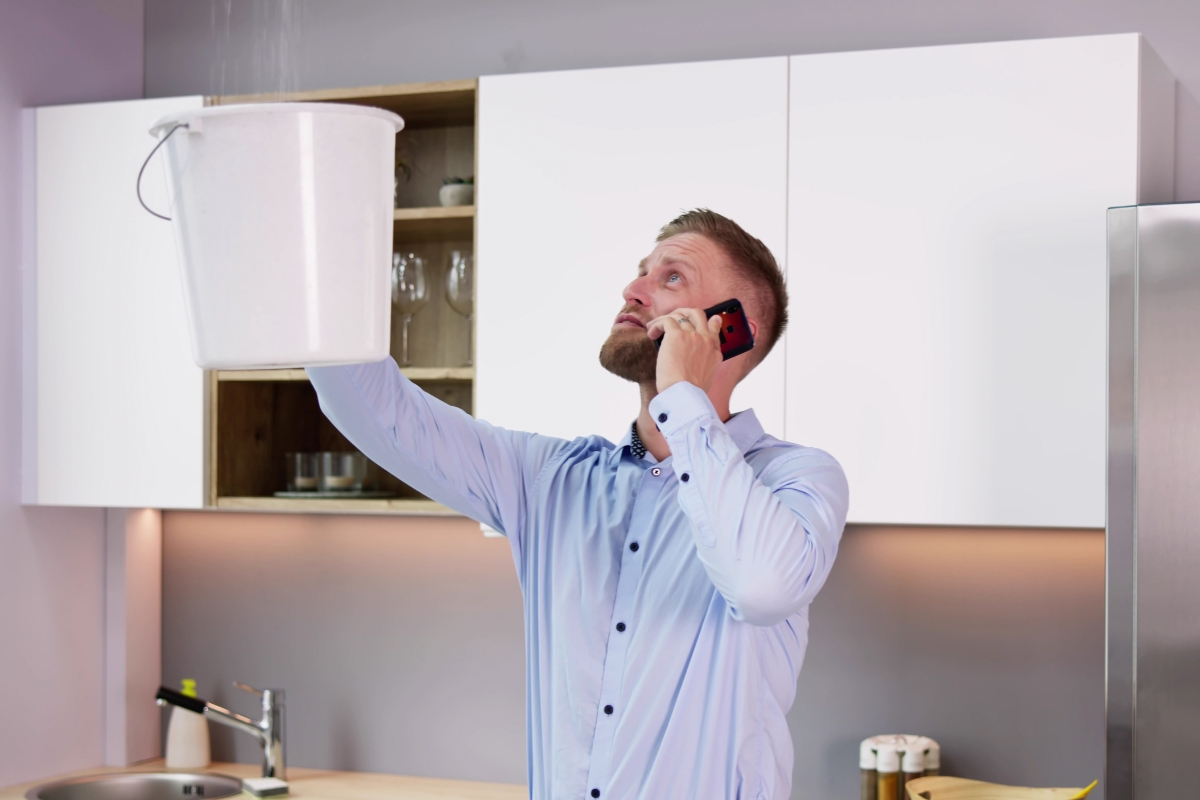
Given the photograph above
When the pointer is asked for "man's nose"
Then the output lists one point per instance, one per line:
(636, 293)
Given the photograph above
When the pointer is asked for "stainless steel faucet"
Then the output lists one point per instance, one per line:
(268, 730)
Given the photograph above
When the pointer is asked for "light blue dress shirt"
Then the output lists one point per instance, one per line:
(666, 603)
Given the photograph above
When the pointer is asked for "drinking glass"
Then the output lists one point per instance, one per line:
(460, 291)
(342, 472)
(303, 472)
(410, 291)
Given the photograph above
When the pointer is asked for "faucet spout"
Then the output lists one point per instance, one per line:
(226, 717)
(268, 731)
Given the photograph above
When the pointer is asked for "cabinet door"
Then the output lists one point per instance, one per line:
(947, 269)
(577, 172)
(118, 410)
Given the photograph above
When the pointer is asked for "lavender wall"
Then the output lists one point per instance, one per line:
(51, 560)
(218, 47)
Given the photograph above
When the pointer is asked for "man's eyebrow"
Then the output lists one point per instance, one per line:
(642, 267)
(683, 262)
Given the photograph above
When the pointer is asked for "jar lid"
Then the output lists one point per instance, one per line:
(933, 754)
(866, 754)
(887, 758)
(913, 759)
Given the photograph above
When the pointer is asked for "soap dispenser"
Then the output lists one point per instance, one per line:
(187, 735)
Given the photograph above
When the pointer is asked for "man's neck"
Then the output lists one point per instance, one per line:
(652, 438)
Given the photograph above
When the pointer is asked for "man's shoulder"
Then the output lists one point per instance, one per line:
(769, 451)
(580, 448)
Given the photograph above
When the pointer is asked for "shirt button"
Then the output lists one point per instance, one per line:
(595, 792)
(634, 547)
(662, 417)
(608, 709)
(684, 477)
(656, 472)
(620, 627)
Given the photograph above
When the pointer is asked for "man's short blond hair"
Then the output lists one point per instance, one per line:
(753, 264)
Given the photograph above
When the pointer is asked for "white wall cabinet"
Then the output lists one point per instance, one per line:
(114, 404)
(940, 213)
(947, 269)
(945, 248)
(577, 172)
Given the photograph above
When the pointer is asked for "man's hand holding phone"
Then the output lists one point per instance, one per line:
(690, 349)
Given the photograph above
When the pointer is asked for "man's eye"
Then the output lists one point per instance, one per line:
(674, 277)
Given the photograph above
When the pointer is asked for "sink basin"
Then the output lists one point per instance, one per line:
(139, 786)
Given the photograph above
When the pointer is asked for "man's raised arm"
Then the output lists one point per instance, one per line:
(767, 542)
(475, 468)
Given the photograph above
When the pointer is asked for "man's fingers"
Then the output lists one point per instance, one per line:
(658, 326)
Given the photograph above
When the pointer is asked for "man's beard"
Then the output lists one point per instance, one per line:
(630, 354)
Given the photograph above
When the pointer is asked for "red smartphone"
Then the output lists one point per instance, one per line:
(735, 329)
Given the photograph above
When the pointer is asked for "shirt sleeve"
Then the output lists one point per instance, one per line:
(475, 468)
(769, 541)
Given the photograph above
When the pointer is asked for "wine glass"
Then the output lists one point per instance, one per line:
(460, 291)
(410, 291)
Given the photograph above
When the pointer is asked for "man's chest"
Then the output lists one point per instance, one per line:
(603, 533)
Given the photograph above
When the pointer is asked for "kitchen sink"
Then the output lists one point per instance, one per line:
(139, 786)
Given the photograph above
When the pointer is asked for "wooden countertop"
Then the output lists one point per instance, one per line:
(319, 784)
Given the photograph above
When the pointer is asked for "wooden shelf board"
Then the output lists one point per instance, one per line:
(262, 375)
(438, 373)
(423, 105)
(434, 212)
(432, 224)
(397, 506)
(412, 373)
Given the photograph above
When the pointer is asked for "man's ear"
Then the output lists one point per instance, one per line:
(753, 328)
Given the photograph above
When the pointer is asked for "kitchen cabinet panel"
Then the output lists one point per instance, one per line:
(577, 172)
(117, 407)
(946, 260)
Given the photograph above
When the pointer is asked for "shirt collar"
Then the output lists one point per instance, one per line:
(635, 442)
(743, 427)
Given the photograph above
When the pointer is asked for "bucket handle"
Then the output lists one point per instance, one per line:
(146, 163)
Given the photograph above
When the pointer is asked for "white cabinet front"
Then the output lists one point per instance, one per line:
(947, 269)
(577, 172)
(116, 414)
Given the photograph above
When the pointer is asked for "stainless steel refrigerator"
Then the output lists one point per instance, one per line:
(1153, 527)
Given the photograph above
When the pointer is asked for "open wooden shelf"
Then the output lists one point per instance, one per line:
(422, 105)
(397, 506)
(256, 417)
(412, 373)
(436, 223)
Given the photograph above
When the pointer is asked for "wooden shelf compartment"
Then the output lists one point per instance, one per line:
(412, 373)
(422, 105)
(434, 223)
(258, 422)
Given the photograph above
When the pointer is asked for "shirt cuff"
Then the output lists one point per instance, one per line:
(679, 406)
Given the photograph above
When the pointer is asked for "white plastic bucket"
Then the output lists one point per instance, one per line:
(282, 215)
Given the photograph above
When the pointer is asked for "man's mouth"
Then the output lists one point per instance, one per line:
(628, 320)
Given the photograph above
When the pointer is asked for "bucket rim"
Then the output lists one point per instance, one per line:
(282, 107)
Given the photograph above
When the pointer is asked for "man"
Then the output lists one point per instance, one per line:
(666, 579)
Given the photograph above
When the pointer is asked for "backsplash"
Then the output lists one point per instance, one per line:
(399, 643)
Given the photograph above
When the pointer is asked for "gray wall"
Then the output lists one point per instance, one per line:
(399, 642)
(221, 47)
(51, 559)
